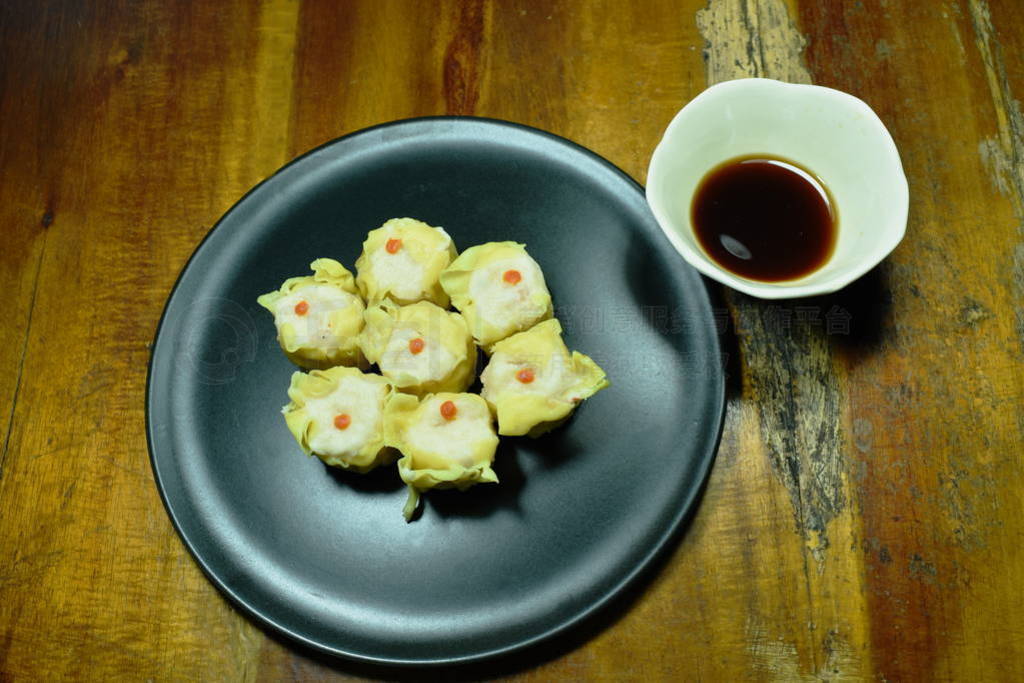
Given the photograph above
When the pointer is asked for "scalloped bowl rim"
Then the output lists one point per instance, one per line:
(675, 134)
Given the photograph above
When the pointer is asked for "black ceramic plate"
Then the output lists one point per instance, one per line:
(326, 557)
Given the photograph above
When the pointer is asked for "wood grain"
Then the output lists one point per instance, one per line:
(864, 516)
(948, 369)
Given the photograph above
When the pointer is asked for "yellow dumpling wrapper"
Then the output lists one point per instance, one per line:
(409, 269)
(442, 446)
(421, 348)
(338, 416)
(326, 333)
(533, 383)
(500, 290)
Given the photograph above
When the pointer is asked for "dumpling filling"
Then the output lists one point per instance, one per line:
(338, 415)
(310, 312)
(500, 290)
(399, 273)
(533, 383)
(402, 260)
(319, 317)
(446, 440)
(421, 348)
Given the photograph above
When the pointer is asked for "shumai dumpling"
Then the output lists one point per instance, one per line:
(500, 290)
(318, 317)
(402, 261)
(421, 348)
(338, 416)
(533, 383)
(447, 441)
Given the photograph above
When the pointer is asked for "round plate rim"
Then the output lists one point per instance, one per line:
(682, 511)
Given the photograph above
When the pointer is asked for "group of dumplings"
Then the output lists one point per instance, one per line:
(393, 314)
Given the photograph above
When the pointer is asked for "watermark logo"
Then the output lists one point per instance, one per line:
(218, 336)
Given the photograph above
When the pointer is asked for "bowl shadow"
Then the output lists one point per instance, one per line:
(852, 321)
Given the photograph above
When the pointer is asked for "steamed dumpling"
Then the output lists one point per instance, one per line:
(338, 415)
(447, 440)
(499, 289)
(402, 261)
(421, 348)
(318, 317)
(533, 383)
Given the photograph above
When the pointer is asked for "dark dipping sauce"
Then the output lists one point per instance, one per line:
(764, 218)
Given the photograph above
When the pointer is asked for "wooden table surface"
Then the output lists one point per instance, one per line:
(864, 517)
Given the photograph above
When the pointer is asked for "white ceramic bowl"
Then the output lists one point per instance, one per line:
(834, 135)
